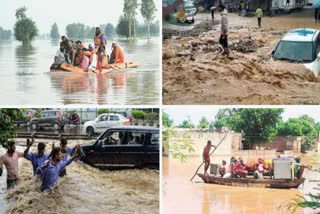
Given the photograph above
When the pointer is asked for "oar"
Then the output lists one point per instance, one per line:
(210, 155)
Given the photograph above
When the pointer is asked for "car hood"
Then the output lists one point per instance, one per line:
(89, 123)
(314, 66)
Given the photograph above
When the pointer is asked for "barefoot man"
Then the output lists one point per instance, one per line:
(206, 156)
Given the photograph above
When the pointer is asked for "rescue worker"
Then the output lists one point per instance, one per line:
(116, 55)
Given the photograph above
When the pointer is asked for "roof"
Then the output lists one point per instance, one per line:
(301, 35)
(151, 128)
(111, 114)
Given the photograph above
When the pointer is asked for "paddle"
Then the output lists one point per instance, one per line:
(210, 155)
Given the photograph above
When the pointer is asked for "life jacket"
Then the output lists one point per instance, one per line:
(120, 58)
(97, 40)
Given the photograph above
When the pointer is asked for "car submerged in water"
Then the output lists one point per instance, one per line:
(123, 147)
(302, 46)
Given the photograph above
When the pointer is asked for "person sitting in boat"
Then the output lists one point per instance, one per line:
(299, 168)
(100, 39)
(239, 169)
(222, 168)
(71, 49)
(258, 174)
(59, 57)
(229, 173)
(116, 55)
(206, 156)
(104, 58)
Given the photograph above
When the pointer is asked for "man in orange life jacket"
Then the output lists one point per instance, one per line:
(116, 55)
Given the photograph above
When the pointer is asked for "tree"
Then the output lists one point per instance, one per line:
(109, 31)
(103, 111)
(7, 127)
(204, 123)
(148, 9)
(166, 121)
(122, 27)
(5, 34)
(187, 124)
(129, 9)
(25, 29)
(54, 33)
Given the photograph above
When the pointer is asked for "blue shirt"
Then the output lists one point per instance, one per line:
(51, 174)
(65, 155)
(36, 160)
(101, 39)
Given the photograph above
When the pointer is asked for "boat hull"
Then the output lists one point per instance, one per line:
(112, 67)
(248, 182)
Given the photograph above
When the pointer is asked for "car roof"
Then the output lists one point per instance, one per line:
(49, 111)
(147, 128)
(301, 35)
(110, 114)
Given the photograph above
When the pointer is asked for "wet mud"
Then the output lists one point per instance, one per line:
(195, 71)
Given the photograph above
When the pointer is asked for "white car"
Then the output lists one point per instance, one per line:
(103, 122)
(300, 45)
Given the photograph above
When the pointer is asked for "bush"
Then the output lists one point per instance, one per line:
(152, 116)
(103, 111)
(137, 114)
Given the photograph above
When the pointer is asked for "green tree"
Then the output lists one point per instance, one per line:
(122, 27)
(138, 114)
(204, 123)
(148, 10)
(77, 31)
(129, 9)
(54, 33)
(7, 127)
(109, 31)
(25, 29)
(103, 111)
(187, 124)
(166, 121)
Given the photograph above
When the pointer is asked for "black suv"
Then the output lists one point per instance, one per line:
(51, 118)
(118, 147)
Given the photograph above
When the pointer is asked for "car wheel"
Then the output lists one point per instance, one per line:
(56, 126)
(34, 126)
(90, 131)
(62, 127)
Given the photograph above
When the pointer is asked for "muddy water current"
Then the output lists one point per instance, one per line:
(84, 190)
(25, 76)
(182, 196)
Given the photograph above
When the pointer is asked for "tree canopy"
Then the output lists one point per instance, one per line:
(187, 124)
(148, 10)
(25, 29)
(7, 127)
(54, 33)
(166, 121)
(203, 123)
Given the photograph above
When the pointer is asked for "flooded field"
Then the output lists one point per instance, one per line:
(84, 190)
(194, 67)
(26, 79)
(181, 195)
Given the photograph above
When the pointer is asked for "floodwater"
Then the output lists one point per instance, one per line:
(84, 190)
(182, 196)
(192, 63)
(25, 76)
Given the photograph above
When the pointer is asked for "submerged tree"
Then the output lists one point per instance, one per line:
(7, 127)
(54, 33)
(148, 10)
(129, 9)
(25, 29)
(122, 27)
(109, 31)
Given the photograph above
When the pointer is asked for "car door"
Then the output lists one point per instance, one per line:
(114, 121)
(102, 123)
(152, 148)
(43, 120)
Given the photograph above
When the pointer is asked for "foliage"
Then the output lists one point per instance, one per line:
(178, 146)
(54, 33)
(37, 113)
(148, 10)
(103, 111)
(5, 34)
(211, 125)
(259, 125)
(166, 121)
(109, 31)
(187, 124)
(142, 29)
(204, 123)
(7, 127)
(152, 116)
(138, 114)
(129, 9)
(25, 29)
(122, 27)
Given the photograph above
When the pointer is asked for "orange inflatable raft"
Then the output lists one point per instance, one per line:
(112, 67)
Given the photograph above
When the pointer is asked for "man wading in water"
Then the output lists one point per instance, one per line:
(206, 156)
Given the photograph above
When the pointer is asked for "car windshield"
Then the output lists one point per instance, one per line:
(297, 51)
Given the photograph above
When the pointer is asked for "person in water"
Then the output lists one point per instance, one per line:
(10, 160)
(51, 169)
(206, 156)
(116, 55)
(66, 151)
(37, 158)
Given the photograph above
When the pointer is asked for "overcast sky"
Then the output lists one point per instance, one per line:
(180, 113)
(63, 12)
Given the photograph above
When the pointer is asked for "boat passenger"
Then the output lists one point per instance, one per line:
(258, 173)
(239, 169)
(299, 168)
(100, 38)
(60, 56)
(206, 156)
(71, 48)
(116, 55)
(222, 169)
(104, 57)
(37, 158)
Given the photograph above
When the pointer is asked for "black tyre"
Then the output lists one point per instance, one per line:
(34, 126)
(56, 126)
(90, 131)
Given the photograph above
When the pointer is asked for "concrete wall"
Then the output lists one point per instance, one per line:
(289, 143)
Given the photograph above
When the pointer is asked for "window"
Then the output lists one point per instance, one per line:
(136, 138)
(114, 138)
(103, 118)
(114, 118)
(297, 51)
(44, 114)
(52, 114)
(155, 139)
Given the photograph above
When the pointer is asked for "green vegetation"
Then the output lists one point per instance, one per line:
(54, 33)
(129, 10)
(152, 116)
(80, 31)
(25, 29)
(108, 30)
(138, 115)
(187, 124)
(103, 111)
(5, 34)
(166, 121)
(7, 127)
(148, 10)
(204, 123)
(122, 27)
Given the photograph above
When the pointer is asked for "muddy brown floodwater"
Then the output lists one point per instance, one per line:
(84, 190)
(194, 71)
(182, 196)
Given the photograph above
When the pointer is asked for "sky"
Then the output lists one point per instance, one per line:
(180, 113)
(64, 12)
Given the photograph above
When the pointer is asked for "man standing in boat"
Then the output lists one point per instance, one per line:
(206, 156)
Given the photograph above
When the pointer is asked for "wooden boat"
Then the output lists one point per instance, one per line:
(112, 67)
(251, 182)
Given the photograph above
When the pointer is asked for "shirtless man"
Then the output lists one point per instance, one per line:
(206, 156)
